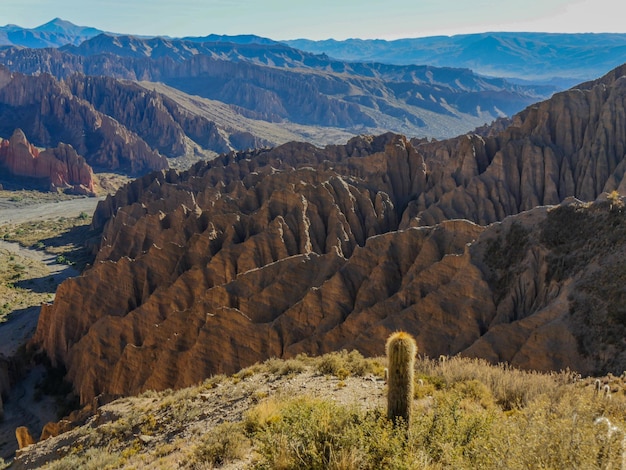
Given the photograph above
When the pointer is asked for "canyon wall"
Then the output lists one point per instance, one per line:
(47, 111)
(275, 83)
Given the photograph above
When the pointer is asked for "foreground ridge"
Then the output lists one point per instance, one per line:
(317, 412)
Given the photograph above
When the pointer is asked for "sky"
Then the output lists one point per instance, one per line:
(321, 19)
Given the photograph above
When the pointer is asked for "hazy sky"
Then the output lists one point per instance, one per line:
(321, 19)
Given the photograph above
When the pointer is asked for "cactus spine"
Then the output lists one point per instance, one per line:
(401, 350)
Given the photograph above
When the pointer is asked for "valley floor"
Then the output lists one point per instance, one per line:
(16, 209)
(28, 277)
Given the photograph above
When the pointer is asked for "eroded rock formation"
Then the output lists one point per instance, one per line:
(300, 249)
(47, 111)
(59, 167)
(24, 437)
(273, 82)
(571, 145)
(158, 120)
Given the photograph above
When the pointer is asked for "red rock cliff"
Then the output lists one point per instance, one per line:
(59, 167)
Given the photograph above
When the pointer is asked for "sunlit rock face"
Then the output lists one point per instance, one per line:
(60, 167)
(300, 249)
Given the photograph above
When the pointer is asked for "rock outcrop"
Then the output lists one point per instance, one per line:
(24, 437)
(300, 249)
(53, 429)
(59, 167)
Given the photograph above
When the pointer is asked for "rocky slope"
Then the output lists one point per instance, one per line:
(47, 111)
(275, 83)
(59, 167)
(143, 122)
(329, 412)
(300, 249)
(160, 122)
(570, 145)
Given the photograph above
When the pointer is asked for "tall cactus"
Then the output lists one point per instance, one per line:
(401, 350)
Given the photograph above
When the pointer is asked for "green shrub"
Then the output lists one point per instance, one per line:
(285, 366)
(343, 364)
(481, 416)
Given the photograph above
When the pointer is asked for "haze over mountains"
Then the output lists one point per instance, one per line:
(560, 59)
(557, 58)
(214, 94)
(275, 83)
(220, 93)
(55, 33)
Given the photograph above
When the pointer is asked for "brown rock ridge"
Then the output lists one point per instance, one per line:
(60, 167)
(275, 83)
(300, 249)
(572, 145)
(157, 119)
(47, 111)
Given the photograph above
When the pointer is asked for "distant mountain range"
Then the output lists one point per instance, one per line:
(311, 97)
(55, 33)
(561, 60)
(199, 96)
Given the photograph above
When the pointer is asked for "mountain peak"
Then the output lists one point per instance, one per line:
(57, 25)
(61, 26)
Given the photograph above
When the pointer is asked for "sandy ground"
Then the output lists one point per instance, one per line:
(21, 408)
(19, 212)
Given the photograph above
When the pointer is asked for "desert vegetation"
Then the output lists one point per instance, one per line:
(64, 237)
(17, 279)
(26, 281)
(329, 413)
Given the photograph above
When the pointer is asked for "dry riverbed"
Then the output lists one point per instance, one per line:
(40, 237)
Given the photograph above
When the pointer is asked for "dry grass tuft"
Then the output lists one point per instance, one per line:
(467, 414)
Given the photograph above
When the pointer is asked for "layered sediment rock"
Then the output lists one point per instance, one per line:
(300, 249)
(158, 120)
(572, 145)
(59, 167)
(47, 111)
(272, 82)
